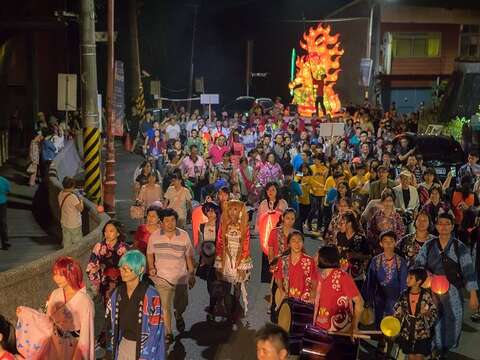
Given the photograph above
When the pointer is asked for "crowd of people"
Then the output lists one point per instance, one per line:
(385, 224)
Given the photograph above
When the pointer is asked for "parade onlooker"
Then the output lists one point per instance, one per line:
(171, 268)
(71, 207)
(150, 193)
(4, 190)
(34, 157)
(385, 218)
(179, 198)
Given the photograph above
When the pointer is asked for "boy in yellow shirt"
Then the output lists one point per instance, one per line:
(319, 176)
(358, 181)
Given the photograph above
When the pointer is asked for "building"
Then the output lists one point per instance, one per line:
(413, 48)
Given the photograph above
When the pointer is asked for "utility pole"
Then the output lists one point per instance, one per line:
(190, 85)
(134, 82)
(90, 120)
(110, 183)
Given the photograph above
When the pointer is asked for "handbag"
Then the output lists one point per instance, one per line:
(137, 211)
(31, 168)
(368, 316)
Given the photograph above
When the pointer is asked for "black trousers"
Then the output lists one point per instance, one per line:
(3, 224)
(319, 101)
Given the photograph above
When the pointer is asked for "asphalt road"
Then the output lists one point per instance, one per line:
(219, 340)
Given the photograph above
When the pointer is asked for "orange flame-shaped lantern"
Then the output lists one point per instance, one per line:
(266, 223)
(323, 57)
(439, 284)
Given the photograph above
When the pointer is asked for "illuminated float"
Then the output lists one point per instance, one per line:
(323, 57)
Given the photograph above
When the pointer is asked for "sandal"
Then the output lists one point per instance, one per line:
(169, 339)
(180, 324)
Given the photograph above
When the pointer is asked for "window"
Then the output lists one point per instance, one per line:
(416, 45)
(470, 41)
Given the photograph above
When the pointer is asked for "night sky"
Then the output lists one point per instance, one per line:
(223, 28)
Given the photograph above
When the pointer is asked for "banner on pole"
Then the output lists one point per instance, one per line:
(118, 99)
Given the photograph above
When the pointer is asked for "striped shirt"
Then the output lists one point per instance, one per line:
(170, 255)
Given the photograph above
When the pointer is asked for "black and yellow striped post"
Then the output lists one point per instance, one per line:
(93, 177)
(140, 104)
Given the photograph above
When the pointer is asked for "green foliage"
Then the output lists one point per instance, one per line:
(455, 127)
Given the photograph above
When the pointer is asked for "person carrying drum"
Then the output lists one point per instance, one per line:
(296, 272)
(338, 303)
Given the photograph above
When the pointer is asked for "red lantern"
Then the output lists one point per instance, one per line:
(198, 217)
(266, 223)
(439, 284)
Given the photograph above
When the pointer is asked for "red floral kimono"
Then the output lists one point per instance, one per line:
(333, 303)
(297, 278)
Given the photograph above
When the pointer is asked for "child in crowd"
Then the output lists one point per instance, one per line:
(417, 313)
(6, 334)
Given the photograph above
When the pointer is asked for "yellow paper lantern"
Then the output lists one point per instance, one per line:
(390, 326)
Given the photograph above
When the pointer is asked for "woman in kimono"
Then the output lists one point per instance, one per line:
(386, 278)
(409, 246)
(352, 246)
(70, 313)
(386, 218)
(233, 261)
(277, 246)
(270, 204)
(134, 314)
(338, 303)
(102, 268)
(417, 312)
(447, 256)
(296, 272)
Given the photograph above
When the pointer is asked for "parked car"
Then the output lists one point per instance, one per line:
(443, 153)
(243, 104)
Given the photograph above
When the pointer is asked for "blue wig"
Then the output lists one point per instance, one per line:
(135, 260)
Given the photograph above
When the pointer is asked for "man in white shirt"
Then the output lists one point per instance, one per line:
(71, 207)
(171, 267)
(173, 129)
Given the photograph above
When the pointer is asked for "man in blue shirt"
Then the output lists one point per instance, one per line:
(4, 190)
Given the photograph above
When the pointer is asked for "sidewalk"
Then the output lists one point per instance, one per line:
(29, 241)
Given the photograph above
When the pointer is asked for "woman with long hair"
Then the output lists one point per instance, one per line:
(272, 203)
(343, 205)
(68, 321)
(296, 272)
(102, 267)
(233, 261)
(352, 246)
(277, 247)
